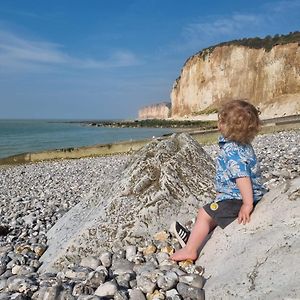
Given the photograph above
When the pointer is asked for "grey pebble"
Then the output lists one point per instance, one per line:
(173, 295)
(145, 284)
(79, 273)
(107, 289)
(20, 284)
(3, 284)
(91, 262)
(193, 280)
(5, 296)
(82, 289)
(96, 278)
(136, 294)
(167, 281)
(106, 259)
(88, 297)
(121, 295)
(131, 252)
(162, 257)
(124, 280)
(122, 266)
(189, 292)
(22, 270)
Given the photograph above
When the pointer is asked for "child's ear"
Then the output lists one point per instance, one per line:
(220, 126)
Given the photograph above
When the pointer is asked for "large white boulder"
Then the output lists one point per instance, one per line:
(260, 260)
(166, 180)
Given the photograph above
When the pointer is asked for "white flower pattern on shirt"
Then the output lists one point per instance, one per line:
(235, 161)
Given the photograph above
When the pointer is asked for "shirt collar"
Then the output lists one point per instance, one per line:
(222, 140)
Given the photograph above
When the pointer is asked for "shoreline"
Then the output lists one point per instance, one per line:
(205, 137)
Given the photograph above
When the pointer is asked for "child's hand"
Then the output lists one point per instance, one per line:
(244, 214)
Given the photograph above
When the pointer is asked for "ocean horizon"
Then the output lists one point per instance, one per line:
(19, 136)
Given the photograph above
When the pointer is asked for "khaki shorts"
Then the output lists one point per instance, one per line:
(224, 212)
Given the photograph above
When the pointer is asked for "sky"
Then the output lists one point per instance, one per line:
(105, 59)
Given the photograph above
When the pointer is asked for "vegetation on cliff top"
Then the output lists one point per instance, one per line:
(267, 42)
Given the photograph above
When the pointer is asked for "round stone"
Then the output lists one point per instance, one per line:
(131, 252)
(106, 259)
(193, 280)
(149, 250)
(167, 281)
(91, 262)
(107, 289)
(188, 292)
(145, 284)
(136, 294)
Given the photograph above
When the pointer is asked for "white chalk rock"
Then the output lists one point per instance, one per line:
(259, 260)
(165, 180)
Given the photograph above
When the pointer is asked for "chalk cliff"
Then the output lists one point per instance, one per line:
(155, 111)
(269, 79)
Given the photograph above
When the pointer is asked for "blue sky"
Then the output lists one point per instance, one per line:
(101, 59)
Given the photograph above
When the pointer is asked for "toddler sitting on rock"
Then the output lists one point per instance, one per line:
(238, 179)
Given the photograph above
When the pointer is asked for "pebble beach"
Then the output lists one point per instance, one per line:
(34, 196)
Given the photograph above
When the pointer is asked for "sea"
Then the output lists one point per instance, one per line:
(22, 136)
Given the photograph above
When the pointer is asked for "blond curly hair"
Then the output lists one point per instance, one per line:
(239, 121)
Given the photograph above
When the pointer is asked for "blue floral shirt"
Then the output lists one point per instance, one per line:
(234, 161)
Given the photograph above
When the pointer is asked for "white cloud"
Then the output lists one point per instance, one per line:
(19, 49)
(269, 19)
(116, 59)
(283, 6)
(216, 29)
(17, 53)
(222, 26)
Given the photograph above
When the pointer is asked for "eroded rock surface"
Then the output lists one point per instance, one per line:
(164, 181)
(259, 260)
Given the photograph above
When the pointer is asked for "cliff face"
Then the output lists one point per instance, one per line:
(270, 80)
(155, 111)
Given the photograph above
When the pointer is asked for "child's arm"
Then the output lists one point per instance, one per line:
(245, 186)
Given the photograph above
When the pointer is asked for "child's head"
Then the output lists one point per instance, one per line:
(239, 121)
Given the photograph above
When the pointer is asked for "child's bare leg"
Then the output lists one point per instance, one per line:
(204, 224)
